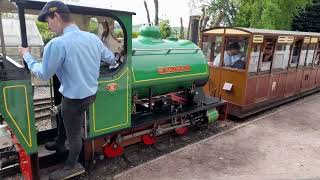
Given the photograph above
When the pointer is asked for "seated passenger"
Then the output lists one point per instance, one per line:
(232, 57)
(268, 53)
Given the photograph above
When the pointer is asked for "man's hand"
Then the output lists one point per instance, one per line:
(23, 50)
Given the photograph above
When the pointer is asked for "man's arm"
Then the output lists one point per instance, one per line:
(53, 58)
(107, 55)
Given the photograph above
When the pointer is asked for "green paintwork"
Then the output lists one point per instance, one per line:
(146, 63)
(212, 115)
(17, 109)
(112, 109)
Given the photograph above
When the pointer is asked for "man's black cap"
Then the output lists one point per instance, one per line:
(52, 7)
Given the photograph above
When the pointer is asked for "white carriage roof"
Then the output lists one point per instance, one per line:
(246, 31)
(269, 31)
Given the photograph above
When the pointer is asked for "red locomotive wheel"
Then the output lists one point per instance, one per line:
(181, 130)
(148, 139)
(113, 150)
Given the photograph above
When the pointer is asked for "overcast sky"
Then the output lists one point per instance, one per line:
(168, 9)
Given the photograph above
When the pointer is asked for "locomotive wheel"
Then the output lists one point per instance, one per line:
(182, 130)
(148, 139)
(113, 150)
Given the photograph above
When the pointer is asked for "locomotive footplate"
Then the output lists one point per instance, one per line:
(149, 118)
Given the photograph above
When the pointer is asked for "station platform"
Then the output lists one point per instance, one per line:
(284, 144)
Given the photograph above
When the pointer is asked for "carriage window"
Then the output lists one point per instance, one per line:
(267, 54)
(311, 53)
(255, 54)
(207, 46)
(303, 55)
(281, 56)
(235, 52)
(296, 53)
(317, 56)
(212, 47)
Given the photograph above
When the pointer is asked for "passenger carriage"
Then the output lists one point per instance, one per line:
(291, 71)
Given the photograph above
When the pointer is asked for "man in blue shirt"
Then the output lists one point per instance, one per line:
(75, 58)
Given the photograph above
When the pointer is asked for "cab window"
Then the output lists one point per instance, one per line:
(112, 35)
(235, 53)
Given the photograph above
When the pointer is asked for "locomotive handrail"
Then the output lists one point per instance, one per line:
(23, 29)
(166, 49)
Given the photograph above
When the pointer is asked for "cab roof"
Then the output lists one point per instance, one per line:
(77, 7)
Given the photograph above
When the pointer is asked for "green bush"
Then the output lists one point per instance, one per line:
(135, 34)
(44, 31)
(165, 29)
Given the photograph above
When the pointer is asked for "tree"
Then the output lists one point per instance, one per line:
(165, 29)
(181, 29)
(215, 12)
(44, 31)
(156, 16)
(269, 14)
(148, 15)
(308, 20)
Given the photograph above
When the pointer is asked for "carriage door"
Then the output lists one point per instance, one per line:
(112, 109)
(16, 97)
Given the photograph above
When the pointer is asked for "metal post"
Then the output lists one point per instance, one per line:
(23, 31)
(150, 99)
(3, 47)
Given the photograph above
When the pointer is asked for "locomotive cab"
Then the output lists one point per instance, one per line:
(16, 94)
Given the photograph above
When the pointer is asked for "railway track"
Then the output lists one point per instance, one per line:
(42, 108)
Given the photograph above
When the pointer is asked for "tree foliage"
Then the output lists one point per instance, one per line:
(165, 29)
(44, 31)
(308, 20)
(269, 14)
(216, 12)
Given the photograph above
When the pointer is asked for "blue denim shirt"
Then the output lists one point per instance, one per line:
(75, 58)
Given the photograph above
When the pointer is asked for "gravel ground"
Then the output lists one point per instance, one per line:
(41, 92)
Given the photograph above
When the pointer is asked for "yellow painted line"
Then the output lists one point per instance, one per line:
(186, 75)
(29, 143)
(115, 78)
(127, 97)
